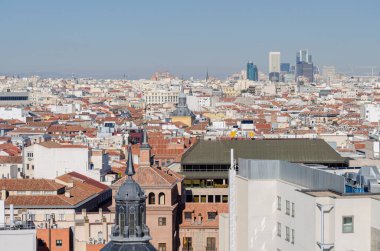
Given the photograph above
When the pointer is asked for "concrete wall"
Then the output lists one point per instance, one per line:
(16, 240)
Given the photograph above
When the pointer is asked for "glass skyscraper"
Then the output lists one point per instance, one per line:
(304, 66)
(252, 72)
(285, 67)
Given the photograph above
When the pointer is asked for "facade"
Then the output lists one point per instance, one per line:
(370, 112)
(252, 72)
(199, 229)
(13, 113)
(14, 98)
(161, 97)
(49, 159)
(54, 239)
(284, 206)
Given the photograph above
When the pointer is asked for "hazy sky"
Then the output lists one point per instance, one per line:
(110, 38)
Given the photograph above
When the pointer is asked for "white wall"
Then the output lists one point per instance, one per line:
(52, 162)
(16, 240)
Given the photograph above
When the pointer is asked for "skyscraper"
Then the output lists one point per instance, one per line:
(252, 72)
(304, 66)
(274, 65)
(285, 67)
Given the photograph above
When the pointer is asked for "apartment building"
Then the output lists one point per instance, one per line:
(285, 206)
(154, 97)
(52, 203)
(49, 159)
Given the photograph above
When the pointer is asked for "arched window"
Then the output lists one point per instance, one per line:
(161, 199)
(121, 220)
(152, 199)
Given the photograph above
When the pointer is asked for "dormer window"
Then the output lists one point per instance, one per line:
(211, 215)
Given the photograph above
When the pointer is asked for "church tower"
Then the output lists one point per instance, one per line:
(145, 151)
(130, 231)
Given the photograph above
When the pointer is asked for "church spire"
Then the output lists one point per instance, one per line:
(130, 171)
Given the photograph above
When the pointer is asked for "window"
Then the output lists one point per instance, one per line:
(187, 215)
(293, 209)
(217, 198)
(203, 198)
(161, 199)
(225, 198)
(27, 166)
(152, 199)
(278, 229)
(32, 167)
(287, 237)
(279, 203)
(287, 207)
(61, 217)
(293, 235)
(211, 244)
(122, 221)
(211, 215)
(162, 221)
(32, 217)
(348, 224)
(211, 198)
(58, 243)
(30, 155)
(187, 244)
(161, 246)
(131, 224)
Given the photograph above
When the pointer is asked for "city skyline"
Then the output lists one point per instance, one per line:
(103, 40)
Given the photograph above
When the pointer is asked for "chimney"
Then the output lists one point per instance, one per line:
(2, 213)
(3, 194)
(70, 184)
(67, 194)
(12, 214)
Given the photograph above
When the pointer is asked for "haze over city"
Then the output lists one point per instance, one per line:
(102, 39)
(189, 125)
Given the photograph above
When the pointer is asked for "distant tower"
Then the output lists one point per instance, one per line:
(252, 72)
(304, 66)
(207, 77)
(130, 231)
(274, 66)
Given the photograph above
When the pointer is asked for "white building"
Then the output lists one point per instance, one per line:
(274, 61)
(284, 206)
(161, 97)
(370, 112)
(197, 103)
(49, 159)
(15, 238)
(13, 113)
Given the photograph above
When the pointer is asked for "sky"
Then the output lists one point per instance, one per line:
(137, 38)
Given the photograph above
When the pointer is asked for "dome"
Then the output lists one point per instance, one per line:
(115, 246)
(130, 190)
